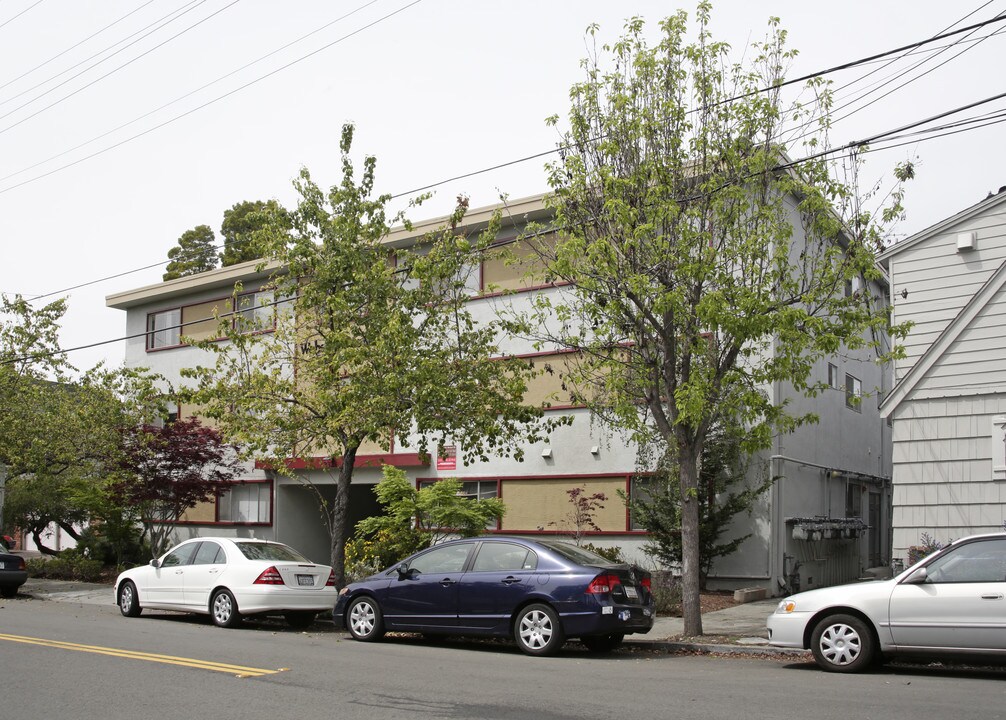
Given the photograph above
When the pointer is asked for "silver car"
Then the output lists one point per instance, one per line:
(950, 603)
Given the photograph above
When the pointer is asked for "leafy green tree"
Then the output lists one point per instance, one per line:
(241, 223)
(59, 430)
(702, 269)
(194, 253)
(369, 341)
(727, 487)
(414, 519)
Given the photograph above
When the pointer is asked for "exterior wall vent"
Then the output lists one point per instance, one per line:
(967, 241)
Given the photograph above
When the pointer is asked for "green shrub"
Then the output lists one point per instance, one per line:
(925, 548)
(68, 565)
(666, 589)
(611, 554)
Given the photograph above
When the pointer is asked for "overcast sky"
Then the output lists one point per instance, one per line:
(438, 89)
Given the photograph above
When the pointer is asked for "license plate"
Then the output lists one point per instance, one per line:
(630, 592)
(305, 580)
(2, 566)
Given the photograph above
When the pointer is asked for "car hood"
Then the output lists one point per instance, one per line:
(853, 594)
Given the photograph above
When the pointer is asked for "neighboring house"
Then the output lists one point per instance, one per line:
(824, 521)
(948, 404)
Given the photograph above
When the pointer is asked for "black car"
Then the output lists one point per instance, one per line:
(540, 592)
(13, 572)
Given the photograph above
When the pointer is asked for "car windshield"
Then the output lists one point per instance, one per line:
(269, 551)
(575, 554)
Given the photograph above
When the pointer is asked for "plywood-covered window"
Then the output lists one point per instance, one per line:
(551, 387)
(517, 266)
(544, 504)
(200, 321)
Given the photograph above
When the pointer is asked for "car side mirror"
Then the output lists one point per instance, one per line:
(918, 577)
(155, 563)
(403, 572)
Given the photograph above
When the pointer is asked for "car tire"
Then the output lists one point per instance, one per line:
(602, 643)
(537, 630)
(299, 619)
(843, 643)
(129, 600)
(8, 591)
(364, 619)
(224, 609)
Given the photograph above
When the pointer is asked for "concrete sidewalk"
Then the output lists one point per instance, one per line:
(739, 629)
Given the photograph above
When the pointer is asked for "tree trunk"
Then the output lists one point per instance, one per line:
(691, 609)
(36, 535)
(340, 514)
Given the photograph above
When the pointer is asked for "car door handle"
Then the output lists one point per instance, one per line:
(992, 596)
(179, 572)
(510, 580)
(447, 582)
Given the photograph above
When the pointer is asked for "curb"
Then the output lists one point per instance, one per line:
(671, 646)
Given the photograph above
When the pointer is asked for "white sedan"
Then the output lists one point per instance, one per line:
(229, 579)
(952, 603)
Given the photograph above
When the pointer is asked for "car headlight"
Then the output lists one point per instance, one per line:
(786, 606)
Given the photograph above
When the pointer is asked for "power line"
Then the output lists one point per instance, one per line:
(73, 47)
(851, 146)
(186, 95)
(498, 166)
(10, 20)
(209, 102)
(110, 72)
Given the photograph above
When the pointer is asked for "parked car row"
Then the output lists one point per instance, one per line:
(13, 570)
(539, 592)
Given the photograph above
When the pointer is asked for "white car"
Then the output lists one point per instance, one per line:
(229, 579)
(952, 603)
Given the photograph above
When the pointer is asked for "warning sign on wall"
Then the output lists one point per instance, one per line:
(448, 458)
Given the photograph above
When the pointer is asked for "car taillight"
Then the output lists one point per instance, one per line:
(269, 576)
(645, 582)
(331, 579)
(603, 583)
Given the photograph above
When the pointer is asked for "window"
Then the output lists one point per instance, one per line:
(503, 557)
(446, 559)
(256, 311)
(269, 551)
(475, 490)
(854, 500)
(853, 392)
(182, 555)
(209, 553)
(163, 329)
(833, 375)
(248, 502)
(983, 561)
(641, 488)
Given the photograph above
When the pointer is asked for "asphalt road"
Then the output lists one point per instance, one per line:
(68, 660)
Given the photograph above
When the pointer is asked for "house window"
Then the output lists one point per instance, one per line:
(474, 490)
(246, 502)
(641, 488)
(833, 376)
(163, 329)
(853, 392)
(256, 311)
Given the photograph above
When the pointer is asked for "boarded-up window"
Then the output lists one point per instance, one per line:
(552, 387)
(544, 504)
(202, 513)
(200, 322)
(517, 266)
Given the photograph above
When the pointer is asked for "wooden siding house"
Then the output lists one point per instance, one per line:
(948, 403)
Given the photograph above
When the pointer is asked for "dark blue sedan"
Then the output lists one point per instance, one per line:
(540, 592)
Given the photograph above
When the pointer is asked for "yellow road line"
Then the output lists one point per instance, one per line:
(238, 670)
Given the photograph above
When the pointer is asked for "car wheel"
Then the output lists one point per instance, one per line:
(129, 601)
(8, 591)
(299, 619)
(537, 630)
(842, 643)
(224, 609)
(602, 643)
(364, 620)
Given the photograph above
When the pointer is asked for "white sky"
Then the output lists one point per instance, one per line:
(442, 88)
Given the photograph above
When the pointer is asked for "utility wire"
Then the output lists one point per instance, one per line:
(527, 158)
(186, 95)
(110, 72)
(9, 21)
(210, 102)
